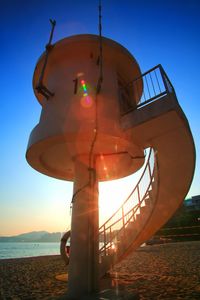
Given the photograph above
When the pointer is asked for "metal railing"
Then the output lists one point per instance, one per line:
(150, 86)
(116, 225)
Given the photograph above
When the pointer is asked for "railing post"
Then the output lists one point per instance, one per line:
(163, 78)
(152, 84)
(145, 77)
(104, 239)
(123, 221)
(133, 215)
(158, 84)
(149, 169)
(138, 191)
(167, 79)
(110, 233)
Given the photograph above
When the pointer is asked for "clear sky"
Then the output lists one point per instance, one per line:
(156, 31)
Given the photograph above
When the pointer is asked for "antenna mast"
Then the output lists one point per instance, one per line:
(100, 60)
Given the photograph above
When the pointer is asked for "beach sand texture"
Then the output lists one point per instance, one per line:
(168, 271)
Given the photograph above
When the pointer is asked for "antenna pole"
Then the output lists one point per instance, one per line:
(100, 51)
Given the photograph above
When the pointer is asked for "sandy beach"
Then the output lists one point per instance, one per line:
(167, 271)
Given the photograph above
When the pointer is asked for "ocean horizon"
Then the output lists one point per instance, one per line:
(27, 249)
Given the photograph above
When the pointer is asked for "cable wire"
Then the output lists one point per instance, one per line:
(91, 161)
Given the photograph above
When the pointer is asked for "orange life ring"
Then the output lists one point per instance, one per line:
(64, 255)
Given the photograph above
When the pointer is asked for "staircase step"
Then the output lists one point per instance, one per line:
(144, 210)
(130, 225)
(148, 203)
(152, 194)
(140, 218)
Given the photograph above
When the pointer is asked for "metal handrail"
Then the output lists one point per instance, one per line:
(155, 85)
(130, 193)
(131, 213)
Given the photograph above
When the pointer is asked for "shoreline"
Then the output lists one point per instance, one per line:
(165, 271)
(58, 255)
(28, 257)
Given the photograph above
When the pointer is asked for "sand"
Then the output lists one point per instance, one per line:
(168, 271)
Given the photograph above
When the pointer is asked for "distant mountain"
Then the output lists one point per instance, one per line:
(50, 237)
(33, 237)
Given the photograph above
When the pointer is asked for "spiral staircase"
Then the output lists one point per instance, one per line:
(120, 233)
(160, 124)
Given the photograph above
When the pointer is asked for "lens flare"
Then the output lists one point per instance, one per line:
(86, 100)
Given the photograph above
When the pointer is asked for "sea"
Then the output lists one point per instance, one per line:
(18, 250)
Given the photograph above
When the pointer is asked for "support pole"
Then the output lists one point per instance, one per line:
(84, 250)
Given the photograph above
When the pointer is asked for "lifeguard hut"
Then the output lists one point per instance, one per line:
(99, 114)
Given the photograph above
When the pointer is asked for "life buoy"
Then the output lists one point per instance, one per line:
(65, 254)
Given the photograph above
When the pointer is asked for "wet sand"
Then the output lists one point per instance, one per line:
(168, 271)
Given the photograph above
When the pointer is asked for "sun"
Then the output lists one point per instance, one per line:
(112, 194)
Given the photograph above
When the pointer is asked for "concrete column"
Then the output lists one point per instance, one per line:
(84, 258)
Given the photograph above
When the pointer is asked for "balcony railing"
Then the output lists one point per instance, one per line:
(150, 86)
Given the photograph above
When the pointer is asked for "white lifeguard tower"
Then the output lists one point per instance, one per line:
(99, 114)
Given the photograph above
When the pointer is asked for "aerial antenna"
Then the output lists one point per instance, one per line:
(100, 58)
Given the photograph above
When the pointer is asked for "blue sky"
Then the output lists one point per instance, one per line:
(165, 32)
